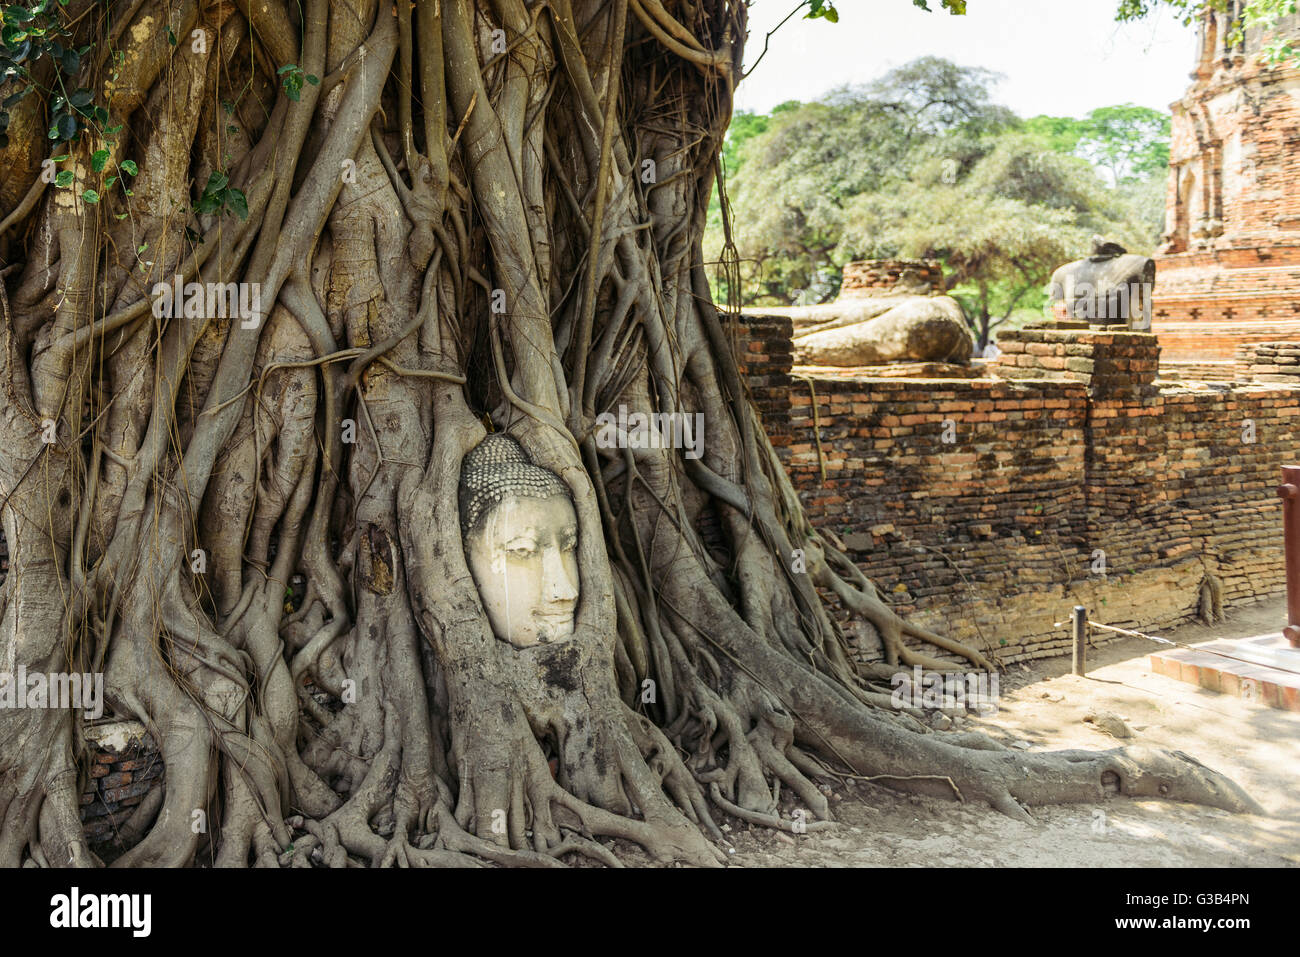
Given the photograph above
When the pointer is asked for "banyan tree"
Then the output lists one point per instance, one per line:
(270, 274)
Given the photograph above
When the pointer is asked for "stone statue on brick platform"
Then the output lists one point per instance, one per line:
(887, 312)
(913, 329)
(1112, 287)
(521, 538)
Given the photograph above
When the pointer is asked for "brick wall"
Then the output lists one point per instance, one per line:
(764, 355)
(986, 508)
(1111, 363)
(874, 277)
(1205, 370)
(125, 766)
(1269, 362)
(1228, 271)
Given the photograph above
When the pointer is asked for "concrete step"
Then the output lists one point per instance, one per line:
(1264, 668)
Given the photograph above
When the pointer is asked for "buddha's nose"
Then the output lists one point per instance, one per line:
(559, 587)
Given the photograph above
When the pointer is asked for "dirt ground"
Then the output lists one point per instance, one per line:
(1043, 705)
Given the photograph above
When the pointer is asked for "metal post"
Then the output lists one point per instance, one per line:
(1080, 619)
(1289, 492)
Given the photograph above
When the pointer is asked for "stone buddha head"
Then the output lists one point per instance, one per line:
(521, 542)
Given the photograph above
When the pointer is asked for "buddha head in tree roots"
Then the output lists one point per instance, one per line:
(521, 542)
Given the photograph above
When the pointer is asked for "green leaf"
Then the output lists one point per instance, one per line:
(313, 80)
(64, 178)
(128, 166)
(64, 128)
(285, 69)
(16, 38)
(111, 181)
(171, 37)
(90, 196)
(98, 159)
(81, 98)
(238, 203)
(142, 247)
(824, 10)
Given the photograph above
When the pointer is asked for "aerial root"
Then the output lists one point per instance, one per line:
(768, 820)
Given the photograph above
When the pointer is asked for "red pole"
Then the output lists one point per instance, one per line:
(1289, 491)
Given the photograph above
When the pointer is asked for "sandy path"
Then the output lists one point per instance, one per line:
(1044, 705)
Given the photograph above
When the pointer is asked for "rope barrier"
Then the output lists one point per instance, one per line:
(1179, 644)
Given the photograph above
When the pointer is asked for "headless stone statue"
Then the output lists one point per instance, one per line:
(894, 329)
(1112, 287)
(521, 538)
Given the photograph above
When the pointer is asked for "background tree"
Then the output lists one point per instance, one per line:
(1000, 230)
(455, 217)
(1129, 142)
(792, 181)
(886, 170)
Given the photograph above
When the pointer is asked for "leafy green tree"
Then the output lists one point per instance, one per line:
(792, 181)
(1130, 142)
(1000, 231)
(798, 179)
(1060, 133)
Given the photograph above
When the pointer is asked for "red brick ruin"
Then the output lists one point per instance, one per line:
(1133, 473)
(1228, 270)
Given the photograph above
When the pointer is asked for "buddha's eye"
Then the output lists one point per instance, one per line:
(569, 541)
(521, 549)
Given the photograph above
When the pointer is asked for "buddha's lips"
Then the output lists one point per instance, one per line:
(558, 621)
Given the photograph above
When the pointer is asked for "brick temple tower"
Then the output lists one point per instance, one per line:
(1228, 271)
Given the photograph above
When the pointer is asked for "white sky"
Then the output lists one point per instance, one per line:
(1062, 57)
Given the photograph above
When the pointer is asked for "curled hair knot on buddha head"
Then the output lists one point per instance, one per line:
(496, 469)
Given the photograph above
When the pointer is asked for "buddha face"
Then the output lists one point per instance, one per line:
(524, 559)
